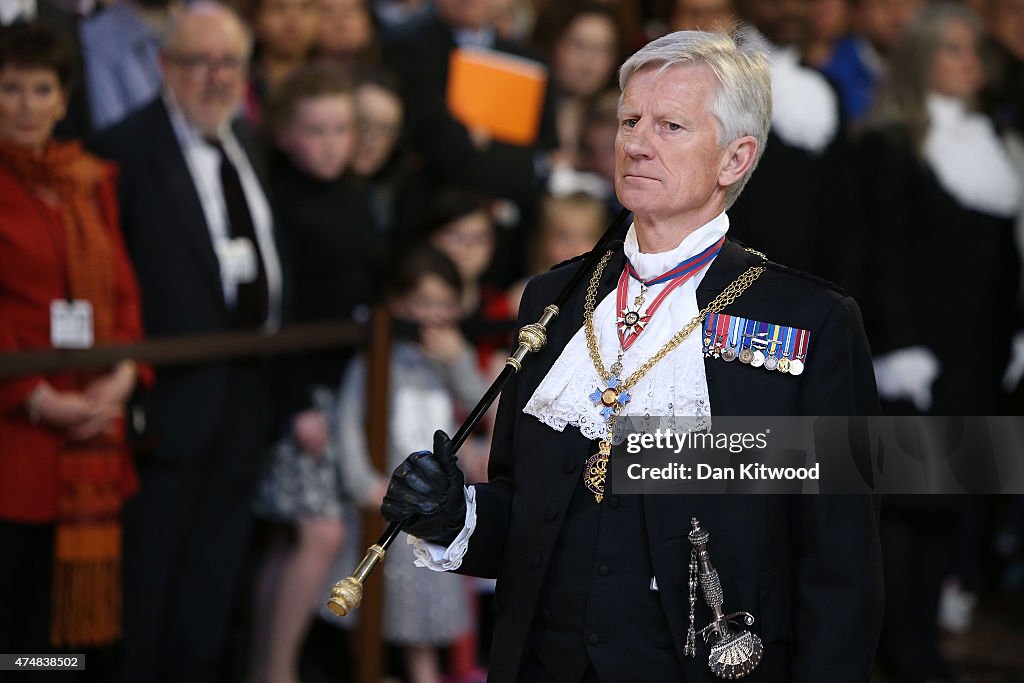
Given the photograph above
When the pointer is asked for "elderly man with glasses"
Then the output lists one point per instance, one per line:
(199, 230)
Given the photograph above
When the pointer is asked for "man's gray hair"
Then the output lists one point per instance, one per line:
(171, 33)
(742, 103)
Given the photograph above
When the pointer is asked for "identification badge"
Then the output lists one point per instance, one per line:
(238, 260)
(71, 324)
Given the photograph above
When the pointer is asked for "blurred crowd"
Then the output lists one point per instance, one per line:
(172, 168)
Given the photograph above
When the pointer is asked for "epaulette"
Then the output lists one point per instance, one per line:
(756, 257)
(569, 262)
(807, 276)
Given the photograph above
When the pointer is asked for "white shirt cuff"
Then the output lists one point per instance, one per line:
(441, 559)
(907, 373)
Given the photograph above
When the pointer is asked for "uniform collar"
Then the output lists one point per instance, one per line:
(731, 261)
(651, 265)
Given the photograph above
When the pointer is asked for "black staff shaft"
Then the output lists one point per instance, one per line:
(341, 604)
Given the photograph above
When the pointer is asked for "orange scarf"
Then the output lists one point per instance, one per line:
(91, 476)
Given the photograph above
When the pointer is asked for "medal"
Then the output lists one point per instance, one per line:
(595, 471)
(796, 366)
(758, 358)
(784, 362)
(630, 321)
(611, 399)
(729, 352)
(709, 333)
(613, 395)
(771, 362)
(776, 348)
(746, 355)
(721, 332)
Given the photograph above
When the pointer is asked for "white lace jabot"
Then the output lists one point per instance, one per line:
(676, 386)
(969, 160)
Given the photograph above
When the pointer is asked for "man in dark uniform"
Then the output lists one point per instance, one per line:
(799, 207)
(593, 586)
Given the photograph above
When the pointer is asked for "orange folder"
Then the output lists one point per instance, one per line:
(497, 92)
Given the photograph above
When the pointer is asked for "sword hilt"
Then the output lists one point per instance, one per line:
(734, 653)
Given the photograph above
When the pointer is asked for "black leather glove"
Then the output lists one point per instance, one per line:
(426, 493)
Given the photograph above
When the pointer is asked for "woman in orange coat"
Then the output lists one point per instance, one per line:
(65, 281)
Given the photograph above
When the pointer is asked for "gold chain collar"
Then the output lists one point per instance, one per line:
(726, 297)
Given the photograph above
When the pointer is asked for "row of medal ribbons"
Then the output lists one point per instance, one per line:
(776, 348)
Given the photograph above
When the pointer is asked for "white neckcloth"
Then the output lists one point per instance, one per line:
(676, 386)
(968, 158)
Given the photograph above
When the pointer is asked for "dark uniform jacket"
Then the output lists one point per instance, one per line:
(966, 267)
(574, 577)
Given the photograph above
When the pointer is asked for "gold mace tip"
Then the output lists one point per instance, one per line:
(345, 596)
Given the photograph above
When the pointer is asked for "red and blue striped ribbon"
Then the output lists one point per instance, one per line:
(690, 265)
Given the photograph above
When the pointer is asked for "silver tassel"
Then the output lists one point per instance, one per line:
(690, 649)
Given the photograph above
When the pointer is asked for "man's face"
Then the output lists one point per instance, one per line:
(667, 156)
(205, 68)
(1005, 20)
(784, 22)
(882, 22)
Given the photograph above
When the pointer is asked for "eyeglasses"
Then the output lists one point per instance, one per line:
(204, 65)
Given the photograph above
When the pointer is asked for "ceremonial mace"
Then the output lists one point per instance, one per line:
(734, 654)
(348, 593)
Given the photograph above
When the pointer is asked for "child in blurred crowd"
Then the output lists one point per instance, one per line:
(459, 223)
(432, 368)
(568, 226)
(323, 224)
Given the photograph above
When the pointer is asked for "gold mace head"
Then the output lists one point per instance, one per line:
(345, 596)
(348, 593)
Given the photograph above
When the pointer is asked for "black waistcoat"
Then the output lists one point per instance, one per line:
(612, 607)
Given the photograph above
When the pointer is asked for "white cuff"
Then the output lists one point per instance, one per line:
(1015, 368)
(907, 374)
(441, 559)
